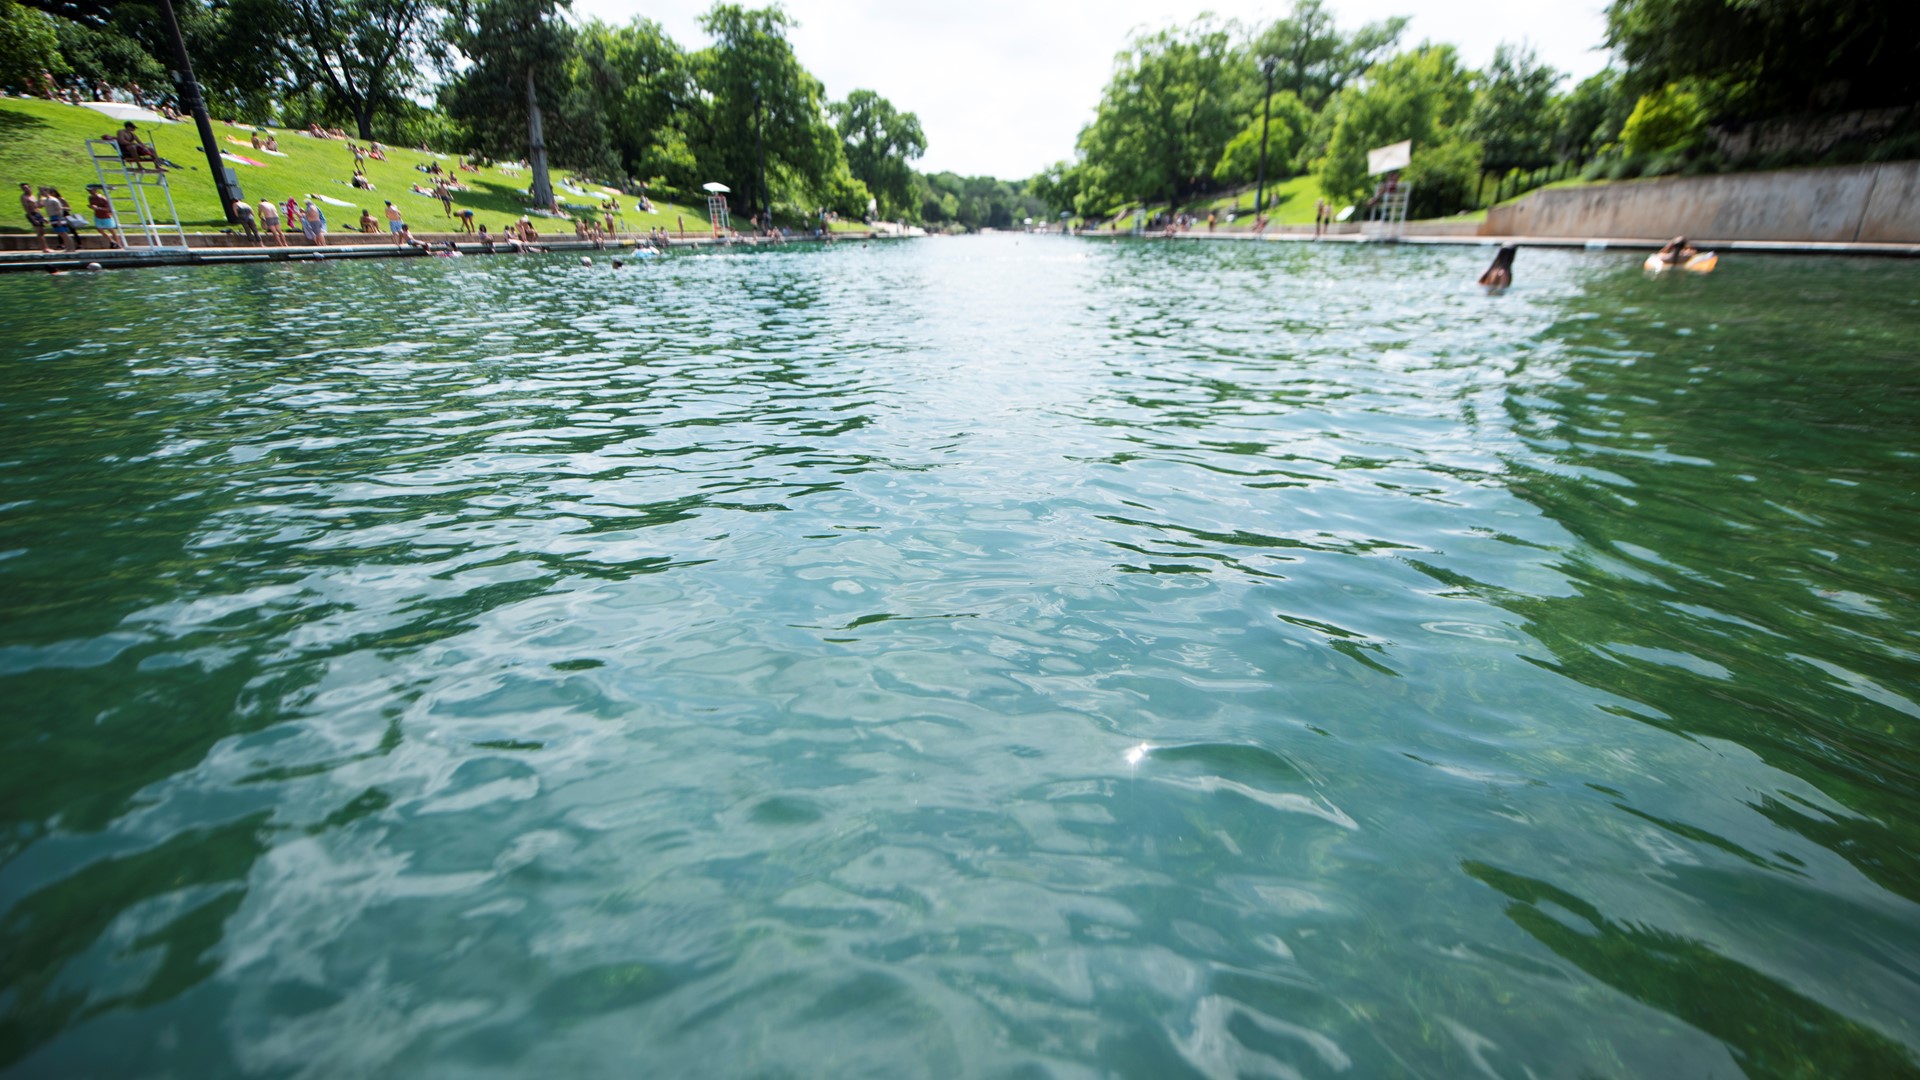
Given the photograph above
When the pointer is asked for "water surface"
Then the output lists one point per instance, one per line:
(971, 657)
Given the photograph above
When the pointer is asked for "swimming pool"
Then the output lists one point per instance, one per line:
(973, 656)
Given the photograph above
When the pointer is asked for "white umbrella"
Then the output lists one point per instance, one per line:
(715, 187)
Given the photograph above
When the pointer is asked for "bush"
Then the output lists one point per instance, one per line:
(1670, 120)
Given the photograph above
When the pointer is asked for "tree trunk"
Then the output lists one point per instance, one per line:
(537, 149)
(363, 119)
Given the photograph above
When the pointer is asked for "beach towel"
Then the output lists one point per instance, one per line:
(332, 201)
(238, 160)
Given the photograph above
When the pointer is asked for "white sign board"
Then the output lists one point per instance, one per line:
(1390, 158)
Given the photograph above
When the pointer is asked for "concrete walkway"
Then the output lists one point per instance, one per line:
(1413, 236)
(356, 246)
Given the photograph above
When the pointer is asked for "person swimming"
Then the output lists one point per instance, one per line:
(1500, 274)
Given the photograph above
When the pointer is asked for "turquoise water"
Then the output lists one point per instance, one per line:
(973, 657)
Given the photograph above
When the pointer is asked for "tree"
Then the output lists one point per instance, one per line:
(1288, 130)
(362, 54)
(1591, 115)
(514, 46)
(879, 141)
(29, 45)
(759, 97)
(641, 84)
(1421, 95)
(1514, 115)
(1315, 59)
(1761, 59)
(1175, 98)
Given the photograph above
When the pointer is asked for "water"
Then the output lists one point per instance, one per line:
(974, 657)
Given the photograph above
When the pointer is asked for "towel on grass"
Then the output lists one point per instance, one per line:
(238, 160)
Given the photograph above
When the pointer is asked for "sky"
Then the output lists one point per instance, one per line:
(1003, 87)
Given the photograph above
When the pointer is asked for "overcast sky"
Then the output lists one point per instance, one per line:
(1003, 87)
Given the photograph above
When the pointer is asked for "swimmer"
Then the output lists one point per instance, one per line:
(617, 264)
(1500, 274)
(584, 261)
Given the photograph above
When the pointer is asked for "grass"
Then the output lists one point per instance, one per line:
(45, 143)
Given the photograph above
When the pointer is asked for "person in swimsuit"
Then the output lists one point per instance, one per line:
(34, 217)
(1677, 252)
(133, 151)
(55, 208)
(395, 220)
(101, 208)
(1500, 274)
(315, 223)
(270, 221)
(243, 211)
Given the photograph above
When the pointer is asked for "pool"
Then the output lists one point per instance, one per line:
(991, 656)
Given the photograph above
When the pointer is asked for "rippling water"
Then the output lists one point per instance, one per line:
(978, 657)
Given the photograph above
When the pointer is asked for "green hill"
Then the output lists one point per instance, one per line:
(45, 143)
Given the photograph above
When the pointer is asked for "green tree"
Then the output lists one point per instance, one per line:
(1514, 115)
(1591, 115)
(1175, 99)
(1315, 60)
(1287, 133)
(515, 46)
(758, 93)
(1421, 95)
(29, 45)
(1766, 58)
(363, 56)
(641, 85)
(879, 141)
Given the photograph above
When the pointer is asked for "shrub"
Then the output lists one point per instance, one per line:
(1670, 120)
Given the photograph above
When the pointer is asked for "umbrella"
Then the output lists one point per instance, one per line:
(716, 187)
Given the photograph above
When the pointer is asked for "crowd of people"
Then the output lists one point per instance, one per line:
(59, 226)
(47, 209)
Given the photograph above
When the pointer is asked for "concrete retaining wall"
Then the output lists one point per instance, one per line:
(1869, 204)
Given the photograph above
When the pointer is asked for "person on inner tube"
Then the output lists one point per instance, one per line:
(1677, 252)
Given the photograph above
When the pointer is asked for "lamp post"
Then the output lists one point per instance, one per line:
(760, 150)
(197, 105)
(1267, 67)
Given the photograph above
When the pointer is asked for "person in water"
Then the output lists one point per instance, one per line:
(1500, 274)
(1677, 252)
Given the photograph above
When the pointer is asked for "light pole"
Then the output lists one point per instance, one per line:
(1266, 110)
(197, 105)
(760, 150)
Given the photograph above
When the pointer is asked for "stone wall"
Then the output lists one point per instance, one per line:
(1865, 204)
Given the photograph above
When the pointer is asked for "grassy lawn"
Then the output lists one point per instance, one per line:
(44, 143)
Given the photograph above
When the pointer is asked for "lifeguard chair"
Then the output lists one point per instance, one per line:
(1387, 217)
(139, 193)
(717, 215)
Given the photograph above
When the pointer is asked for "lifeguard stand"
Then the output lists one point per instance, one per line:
(1387, 217)
(717, 214)
(1139, 222)
(128, 189)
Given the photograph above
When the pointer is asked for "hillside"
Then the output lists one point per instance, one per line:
(44, 143)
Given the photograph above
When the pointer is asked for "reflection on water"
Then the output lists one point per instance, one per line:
(978, 656)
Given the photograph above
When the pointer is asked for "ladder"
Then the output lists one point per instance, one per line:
(128, 190)
(717, 215)
(1388, 218)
